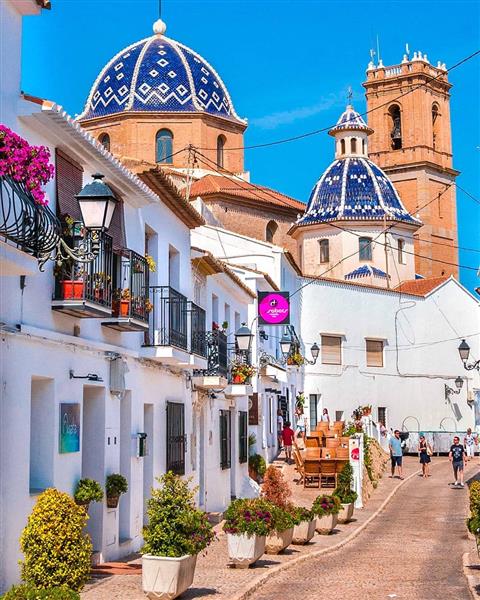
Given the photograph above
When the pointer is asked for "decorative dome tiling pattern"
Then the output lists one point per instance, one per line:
(350, 119)
(366, 271)
(158, 75)
(354, 189)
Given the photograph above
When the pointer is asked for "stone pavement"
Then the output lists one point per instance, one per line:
(411, 551)
(213, 578)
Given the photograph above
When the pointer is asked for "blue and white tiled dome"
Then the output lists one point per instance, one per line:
(350, 119)
(351, 189)
(158, 74)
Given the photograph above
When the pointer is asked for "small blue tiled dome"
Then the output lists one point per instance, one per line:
(354, 189)
(366, 271)
(350, 119)
(158, 74)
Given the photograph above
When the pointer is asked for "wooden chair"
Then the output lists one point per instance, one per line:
(312, 442)
(323, 426)
(332, 443)
(345, 441)
(339, 425)
(341, 452)
(299, 466)
(311, 473)
(332, 452)
(328, 471)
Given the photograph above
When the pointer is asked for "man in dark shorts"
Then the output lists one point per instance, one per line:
(396, 454)
(457, 457)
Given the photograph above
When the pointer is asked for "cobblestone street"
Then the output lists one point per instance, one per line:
(399, 555)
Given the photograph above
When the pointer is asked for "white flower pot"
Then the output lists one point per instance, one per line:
(278, 541)
(346, 513)
(165, 578)
(304, 532)
(326, 524)
(244, 550)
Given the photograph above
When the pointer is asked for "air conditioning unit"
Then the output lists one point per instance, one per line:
(118, 369)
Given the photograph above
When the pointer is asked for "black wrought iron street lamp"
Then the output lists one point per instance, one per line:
(286, 343)
(315, 351)
(97, 203)
(243, 338)
(464, 351)
(449, 390)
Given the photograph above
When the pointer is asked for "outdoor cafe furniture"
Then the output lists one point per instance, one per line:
(341, 452)
(332, 443)
(328, 453)
(311, 476)
(323, 426)
(328, 471)
(312, 442)
(338, 425)
(299, 465)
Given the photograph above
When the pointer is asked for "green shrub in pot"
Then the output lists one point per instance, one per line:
(88, 490)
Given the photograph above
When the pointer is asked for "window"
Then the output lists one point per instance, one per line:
(342, 146)
(314, 398)
(176, 438)
(225, 440)
(353, 145)
(164, 146)
(339, 415)
(401, 255)
(270, 231)
(242, 436)
(104, 139)
(395, 126)
(324, 251)
(374, 353)
(42, 450)
(382, 415)
(331, 350)
(363, 147)
(365, 248)
(220, 153)
(435, 125)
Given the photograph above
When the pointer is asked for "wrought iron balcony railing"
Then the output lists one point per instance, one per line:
(198, 340)
(25, 223)
(130, 297)
(217, 355)
(168, 319)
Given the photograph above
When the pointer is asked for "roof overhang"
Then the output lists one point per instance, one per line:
(209, 265)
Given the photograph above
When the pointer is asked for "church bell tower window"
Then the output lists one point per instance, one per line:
(435, 125)
(353, 145)
(396, 126)
(104, 139)
(220, 151)
(164, 146)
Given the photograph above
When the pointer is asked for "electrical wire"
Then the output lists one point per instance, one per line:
(363, 114)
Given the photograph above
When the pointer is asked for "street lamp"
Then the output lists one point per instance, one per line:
(449, 390)
(315, 350)
(97, 203)
(243, 338)
(464, 351)
(286, 343)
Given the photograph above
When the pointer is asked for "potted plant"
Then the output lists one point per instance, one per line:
(152, 265)
(121, 302)
(345, 494)
(115, 485)
(247, 523)
(86, 491)
(176, 532)
(276, 490)
(305, 523)
(241, 372)
(300, 400)
(295, 360)
(72, 280)
(326, 508)
(101, 281)
(256, 466)
(282, 533)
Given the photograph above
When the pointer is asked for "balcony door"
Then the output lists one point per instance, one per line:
(176, 438)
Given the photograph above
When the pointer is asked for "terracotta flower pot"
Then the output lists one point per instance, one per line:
(86, 505)
(304, 532)
(326, 524)
(278, 541)
(346, 513)
(112, 501)
(244, 550)
(238, 379)
(165, 578)
(72, 289)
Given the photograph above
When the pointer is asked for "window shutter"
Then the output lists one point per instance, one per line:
(313, 411)
(117, 228)
(176, 438)
(69, 182)
(374, 353)
(225, 440)
(331, 350)
(243, 436)
(253, 409)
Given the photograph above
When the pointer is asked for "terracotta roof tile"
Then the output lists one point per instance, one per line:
(421, 287)
(215, 185)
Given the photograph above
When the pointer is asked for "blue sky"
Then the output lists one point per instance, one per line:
(287, 65)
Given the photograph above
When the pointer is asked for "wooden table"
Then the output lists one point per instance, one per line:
(313, 454)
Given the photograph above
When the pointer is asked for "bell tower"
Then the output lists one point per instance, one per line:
(411, 142)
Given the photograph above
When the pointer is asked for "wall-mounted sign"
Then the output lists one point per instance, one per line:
(69, 428)
(274, 308)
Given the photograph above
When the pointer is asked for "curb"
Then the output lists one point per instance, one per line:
(472, 581)
(259, 581)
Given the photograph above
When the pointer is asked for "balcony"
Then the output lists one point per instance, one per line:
(85, 290)
(167, 337)
(28, 229)
(216, 373)
(240, 375)
(130, 304)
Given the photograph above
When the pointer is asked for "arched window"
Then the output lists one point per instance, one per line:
(164, 146)
(270, 231)
(435, 125)
(324, 251)
(220, 146)
(365, 248)
(363, 147)
(342, 146)
(353, 145)
(104, 139)
(400, 248)
(395, 126)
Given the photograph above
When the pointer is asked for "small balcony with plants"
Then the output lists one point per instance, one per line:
(167, 336)
(240, 374)
(131, 305)
(215, 375)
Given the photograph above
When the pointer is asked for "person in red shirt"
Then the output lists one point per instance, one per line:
(287, 436)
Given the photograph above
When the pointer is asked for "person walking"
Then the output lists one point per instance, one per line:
(425, 452)
(301, 429)
(469, 442)
(279, 429)
(396, 454)
(458, 457)
(325, 416)
(287, 437)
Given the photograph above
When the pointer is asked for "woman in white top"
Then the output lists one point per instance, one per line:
(469, 441)
(325, 416)
(301, 424)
